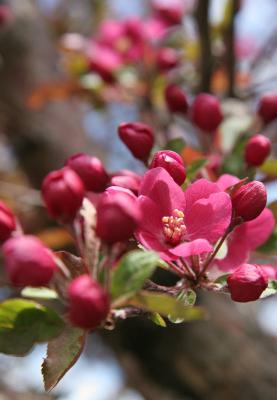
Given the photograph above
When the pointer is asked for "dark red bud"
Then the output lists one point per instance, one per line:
(118, 215)
(249, 200)
(247, 283)
(172, 163)
(5, 14)
(88, 303)
(170, 11)
(127, 179)
(27, 261)
(206, 112)
(167, 58)
(138, 137)
(267, 108)
(90, 170)
(7, 222)
(257, 150)
(176, 99)
(63, 193)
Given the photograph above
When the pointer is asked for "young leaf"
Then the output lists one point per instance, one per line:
(131, 273)
(269, 167)
(24, 323)
(188, 298)
(222, 279)
(157, 319)
(39, 293)
(177, 145)
(195, 167)
(167, 305)
(62, 354)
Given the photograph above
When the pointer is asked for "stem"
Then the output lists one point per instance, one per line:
(176, 269)
(212, 256)
(188, 269)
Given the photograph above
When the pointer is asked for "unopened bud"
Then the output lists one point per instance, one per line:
(206, 112)
(88, 302)
(167, 58)
(267, 107)
(7, 222)
(27, 261)
(247, 283)
(138, 137)
(249, 200)
(90, 170)
(172, 162)
(63, 193)
(257, 150)
(127, 179)
(176, 99)
(118, 215)
(170, 11)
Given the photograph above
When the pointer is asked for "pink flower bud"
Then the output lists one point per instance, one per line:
(27, 261)
(247, 283)
(172, 163)
(63, 193)
(127, 179)
(267, 108)
(171, 11)
(206, 112)
(7, 222)
(90, 170)
(88, 302)
(118, 215)
(249, 200)
(176, 99)
(105, 61)
(167, 58)
(138, 137)
(257, 150)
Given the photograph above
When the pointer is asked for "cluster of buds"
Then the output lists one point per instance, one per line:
(124, 204)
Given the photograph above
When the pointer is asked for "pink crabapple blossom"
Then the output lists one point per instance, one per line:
(181, 224)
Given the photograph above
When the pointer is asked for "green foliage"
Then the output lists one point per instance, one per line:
(234, 163)
(270, 290)
(24, 323)
(167, 305)
(39, 293)
(222, 279)
(195, 167)
(62, 354)
(157, 319)
(177, 145)
(131, 273)
(269, 167)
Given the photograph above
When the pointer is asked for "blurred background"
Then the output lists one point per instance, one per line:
(56, 99)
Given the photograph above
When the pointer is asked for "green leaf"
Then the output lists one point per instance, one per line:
(195, 167)
(39, 293)
(272, 284)
(176, 145)
(271, 244)
(24, 323)
(270, 290)
(157, 319)
(167, 306)
(269, 167)
(188, 298)
(222, 279)
(131, 273)
(62, 354)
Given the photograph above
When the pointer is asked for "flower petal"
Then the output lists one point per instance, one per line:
(152, 216)
(209, 218)
(161, 188)
(151, 242)
(196, 247)
(201, 189)
(226, 180)
(259, 230)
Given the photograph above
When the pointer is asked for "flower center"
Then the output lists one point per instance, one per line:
(174, 228)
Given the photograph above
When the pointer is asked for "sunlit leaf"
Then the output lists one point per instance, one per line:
(269, 167)
(157, 319)
(62, 354)
(167, 306)
(132, 271)
(24, 323)
(39, 293)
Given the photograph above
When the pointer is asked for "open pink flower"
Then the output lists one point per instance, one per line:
(181, 224)
(247, 236)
